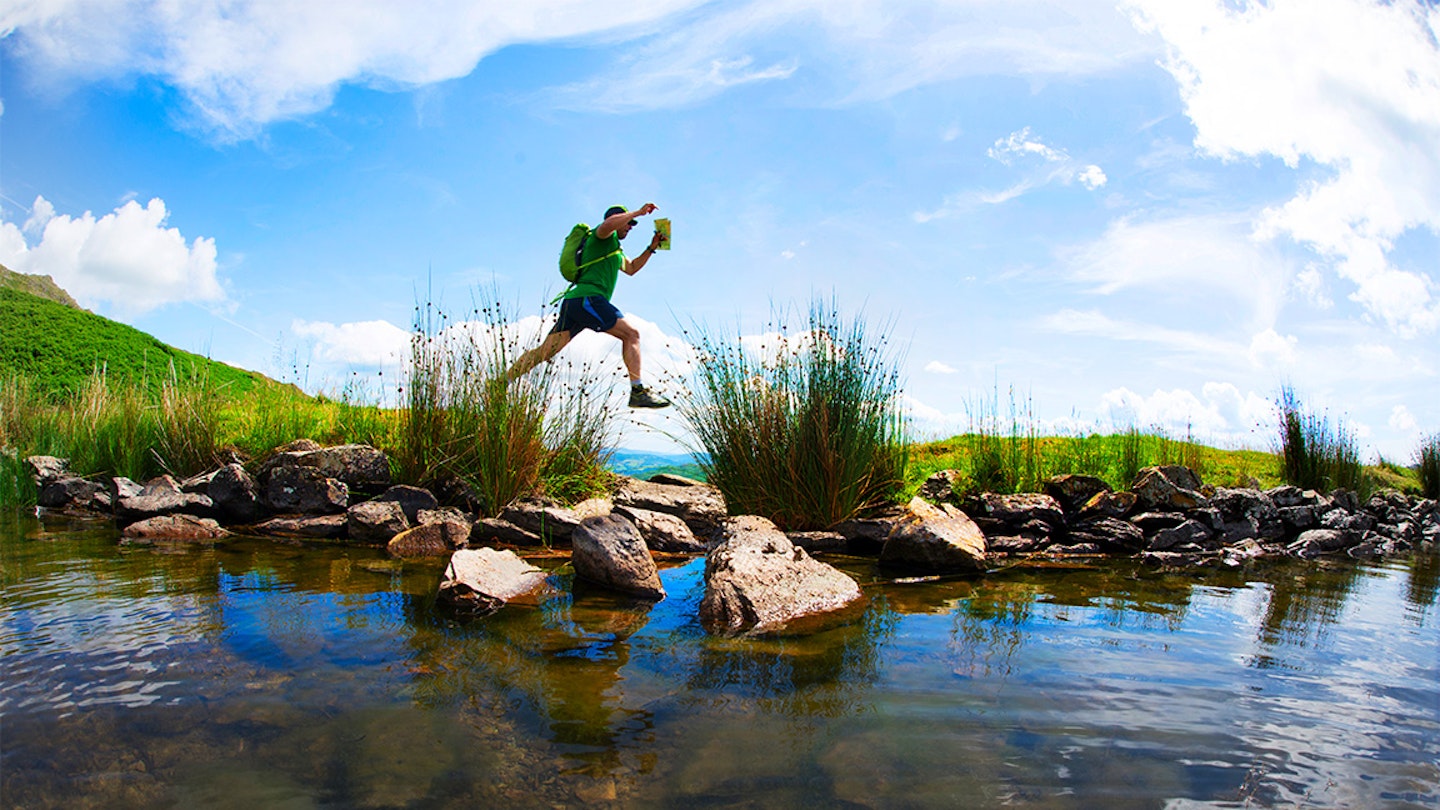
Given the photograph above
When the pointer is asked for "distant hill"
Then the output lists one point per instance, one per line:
(38, 286)
(644, 465)
(46, 338)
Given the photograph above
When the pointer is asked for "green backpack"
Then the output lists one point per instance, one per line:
(570, 266)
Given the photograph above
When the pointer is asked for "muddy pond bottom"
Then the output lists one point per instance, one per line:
(254, 674)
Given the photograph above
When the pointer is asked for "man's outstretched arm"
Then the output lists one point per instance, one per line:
(613, 222)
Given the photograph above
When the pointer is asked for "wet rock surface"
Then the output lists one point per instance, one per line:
(757, 582)
(480, 581)
(608, 550)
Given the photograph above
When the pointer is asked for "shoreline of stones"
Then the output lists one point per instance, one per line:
(759, 580)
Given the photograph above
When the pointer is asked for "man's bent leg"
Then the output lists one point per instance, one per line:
(548, 348)
(640, 396)
(629, 338)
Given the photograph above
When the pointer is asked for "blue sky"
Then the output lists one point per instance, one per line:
(1151, 213)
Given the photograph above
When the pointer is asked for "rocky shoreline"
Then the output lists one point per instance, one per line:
(759, 580)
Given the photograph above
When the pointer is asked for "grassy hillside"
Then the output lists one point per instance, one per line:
(58, 348)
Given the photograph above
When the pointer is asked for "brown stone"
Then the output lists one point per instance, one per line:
(934, 540)
(758, 583)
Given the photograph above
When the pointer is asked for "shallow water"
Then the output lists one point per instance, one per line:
(256, 674)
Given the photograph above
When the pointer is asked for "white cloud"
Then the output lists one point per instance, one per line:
(127, 258)
(1042, 164)
(1183, 254)
(1403, 420)
(1269, 347)
(1352, 85)
(366, 343)
(1096, 324)
(1219, 413)
(937, 367)
(244, 63)
(862, 50)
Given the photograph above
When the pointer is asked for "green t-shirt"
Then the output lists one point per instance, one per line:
(600, 277)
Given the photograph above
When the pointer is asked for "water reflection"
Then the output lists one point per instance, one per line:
(256, 674)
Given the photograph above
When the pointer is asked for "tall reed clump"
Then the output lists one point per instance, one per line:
(1428, 463)
(1315, 455)
(1003, 457)
(462, 420)
(804, 429)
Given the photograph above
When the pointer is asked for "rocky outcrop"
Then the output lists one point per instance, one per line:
(542, 517)
(376, 521)
(1172, 518)
(758, 583)
(304, 490)
(480, 581)
(608, 550)
(1071, 492)
(493, 531)
(940, 487)
(45, 469)
(73, 494)
(663, 532)
(162, 496)
(235, 494)
(430, 539)
(935, 539)
(701, 506)
(1022, 521)
(411, 500)
(1167, 488)
(359, 467)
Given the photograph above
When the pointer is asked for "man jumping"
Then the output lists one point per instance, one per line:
(586, 305)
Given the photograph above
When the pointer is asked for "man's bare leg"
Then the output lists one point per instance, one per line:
(548, 348)
(629, 338)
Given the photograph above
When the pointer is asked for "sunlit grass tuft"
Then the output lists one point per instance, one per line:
(807, 430)
(1315, 454)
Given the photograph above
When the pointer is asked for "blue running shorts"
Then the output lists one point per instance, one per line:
(591, 312)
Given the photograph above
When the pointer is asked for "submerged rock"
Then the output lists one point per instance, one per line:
(757, 582)
(176, 527)
(320, 527)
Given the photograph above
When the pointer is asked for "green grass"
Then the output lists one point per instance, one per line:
(1115, 458)
(544, 433)
(1427, 466)
(807, 431)
(59, 348)
(1318, 455)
